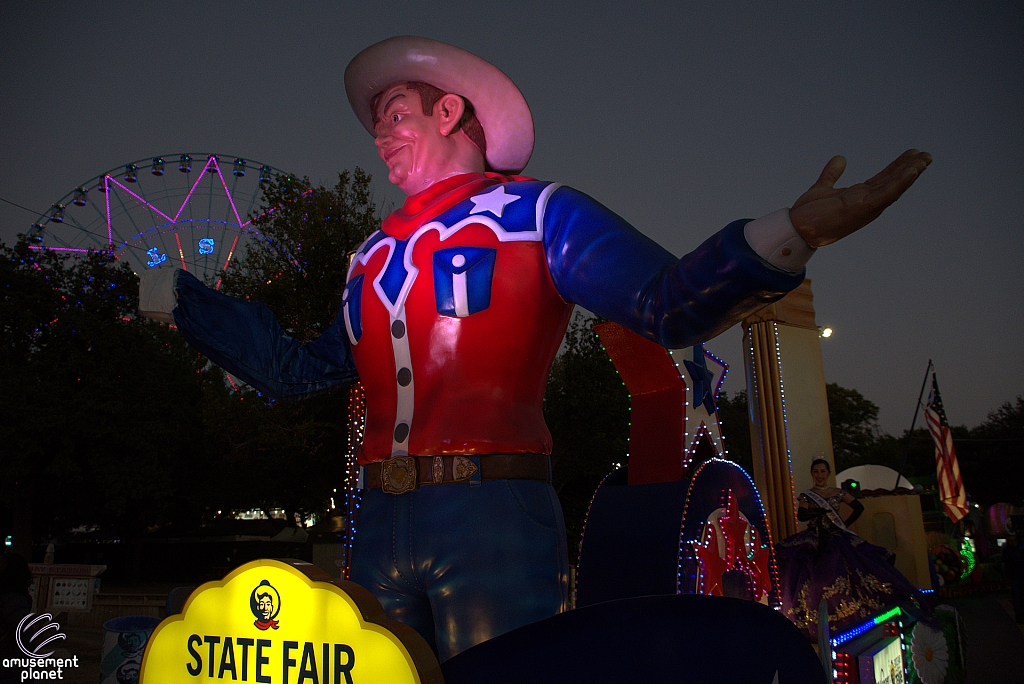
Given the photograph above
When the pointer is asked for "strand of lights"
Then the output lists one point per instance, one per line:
(776, 599)
(138, 199)
(856, 631)
(785, 420)
(628, 396)
(356, 431)
(68, 249)
(718, 389)
(181, 254)
(105, 189)
(583, 532)
(189, 195)
(231, 201)
(756, 399)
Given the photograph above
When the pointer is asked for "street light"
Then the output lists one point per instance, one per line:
(824, 332)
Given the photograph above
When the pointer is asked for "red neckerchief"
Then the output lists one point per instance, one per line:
(266, 624)
(438, 198)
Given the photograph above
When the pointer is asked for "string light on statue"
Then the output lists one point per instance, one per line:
(357, 426)
(628, 395)
(756, 399)
(776, 599)
(583, 532)
(785, 420)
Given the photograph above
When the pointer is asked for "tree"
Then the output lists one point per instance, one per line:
(854, 422)
(87, 393)
(586, 407)
(290, 454)
(992, 455)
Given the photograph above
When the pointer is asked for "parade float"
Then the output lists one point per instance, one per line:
(450, 319)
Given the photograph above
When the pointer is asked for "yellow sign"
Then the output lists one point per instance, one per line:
(269, 622)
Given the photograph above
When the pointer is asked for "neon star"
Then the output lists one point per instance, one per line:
(493, 201)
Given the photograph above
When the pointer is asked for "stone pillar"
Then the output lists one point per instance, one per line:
(788, 409)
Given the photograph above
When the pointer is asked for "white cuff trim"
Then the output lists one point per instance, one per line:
(777, 242)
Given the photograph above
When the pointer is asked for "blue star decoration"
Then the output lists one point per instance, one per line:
(703, 379)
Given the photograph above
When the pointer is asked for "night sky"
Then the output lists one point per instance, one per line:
(681, 117)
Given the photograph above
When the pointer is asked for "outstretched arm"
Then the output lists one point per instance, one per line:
(825, 213)
(599, 261)
(246, 340)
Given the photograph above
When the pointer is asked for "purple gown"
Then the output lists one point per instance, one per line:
(857, 579)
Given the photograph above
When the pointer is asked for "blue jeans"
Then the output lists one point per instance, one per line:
(462, 564)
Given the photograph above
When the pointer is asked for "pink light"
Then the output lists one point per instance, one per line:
(106, 196)
(189, 195)
(230, 252)
(213, 163)
(181, 253)
(227, 261)
(139, 199)
(61, 249)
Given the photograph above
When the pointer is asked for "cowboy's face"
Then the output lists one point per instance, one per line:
(409, 142)
(266, 606)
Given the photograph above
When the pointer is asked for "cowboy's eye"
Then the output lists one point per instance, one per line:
(395, 118)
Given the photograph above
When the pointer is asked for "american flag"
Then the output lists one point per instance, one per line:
(951, 486)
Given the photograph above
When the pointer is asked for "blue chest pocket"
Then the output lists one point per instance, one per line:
(462, 280)
(353, 304)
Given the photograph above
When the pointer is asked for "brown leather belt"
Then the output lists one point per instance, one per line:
(405, 473)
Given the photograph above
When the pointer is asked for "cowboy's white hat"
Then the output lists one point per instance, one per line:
(500, 107)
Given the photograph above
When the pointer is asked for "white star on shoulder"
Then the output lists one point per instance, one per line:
(493, 201)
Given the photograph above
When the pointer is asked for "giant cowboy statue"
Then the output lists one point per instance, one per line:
(452, 315)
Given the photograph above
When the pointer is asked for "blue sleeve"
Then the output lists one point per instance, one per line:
(603, 264)
(245, 339)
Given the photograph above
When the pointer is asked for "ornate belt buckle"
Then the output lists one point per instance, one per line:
(462, 468)
(398, 474)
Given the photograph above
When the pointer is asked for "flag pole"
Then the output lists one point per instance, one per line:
(917, 409)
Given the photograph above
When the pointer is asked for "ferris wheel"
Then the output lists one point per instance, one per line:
(188, 211)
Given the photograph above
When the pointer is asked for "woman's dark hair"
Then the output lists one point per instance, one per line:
(816, 461)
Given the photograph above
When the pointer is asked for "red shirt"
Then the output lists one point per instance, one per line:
(454, 342)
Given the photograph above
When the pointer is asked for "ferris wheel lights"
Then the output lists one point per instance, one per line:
(57, 213)
(79, 199)
(158, 166)
(239, 165)
(264, 174)
(131, 172)
(185, 163)
(102, 186)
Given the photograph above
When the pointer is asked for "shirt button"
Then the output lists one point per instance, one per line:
(398, 330)
(404, 377)
(401, 432)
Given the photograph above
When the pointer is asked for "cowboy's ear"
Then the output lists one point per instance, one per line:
(449, 109)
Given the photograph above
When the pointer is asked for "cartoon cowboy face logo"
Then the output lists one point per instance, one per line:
(265, 604)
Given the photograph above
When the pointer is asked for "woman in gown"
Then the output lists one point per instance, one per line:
(827, 560)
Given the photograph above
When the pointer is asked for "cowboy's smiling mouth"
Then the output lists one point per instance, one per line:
(387, 154)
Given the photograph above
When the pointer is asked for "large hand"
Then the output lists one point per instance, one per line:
(825, 214)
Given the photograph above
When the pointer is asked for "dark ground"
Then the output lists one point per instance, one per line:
(995, 643)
